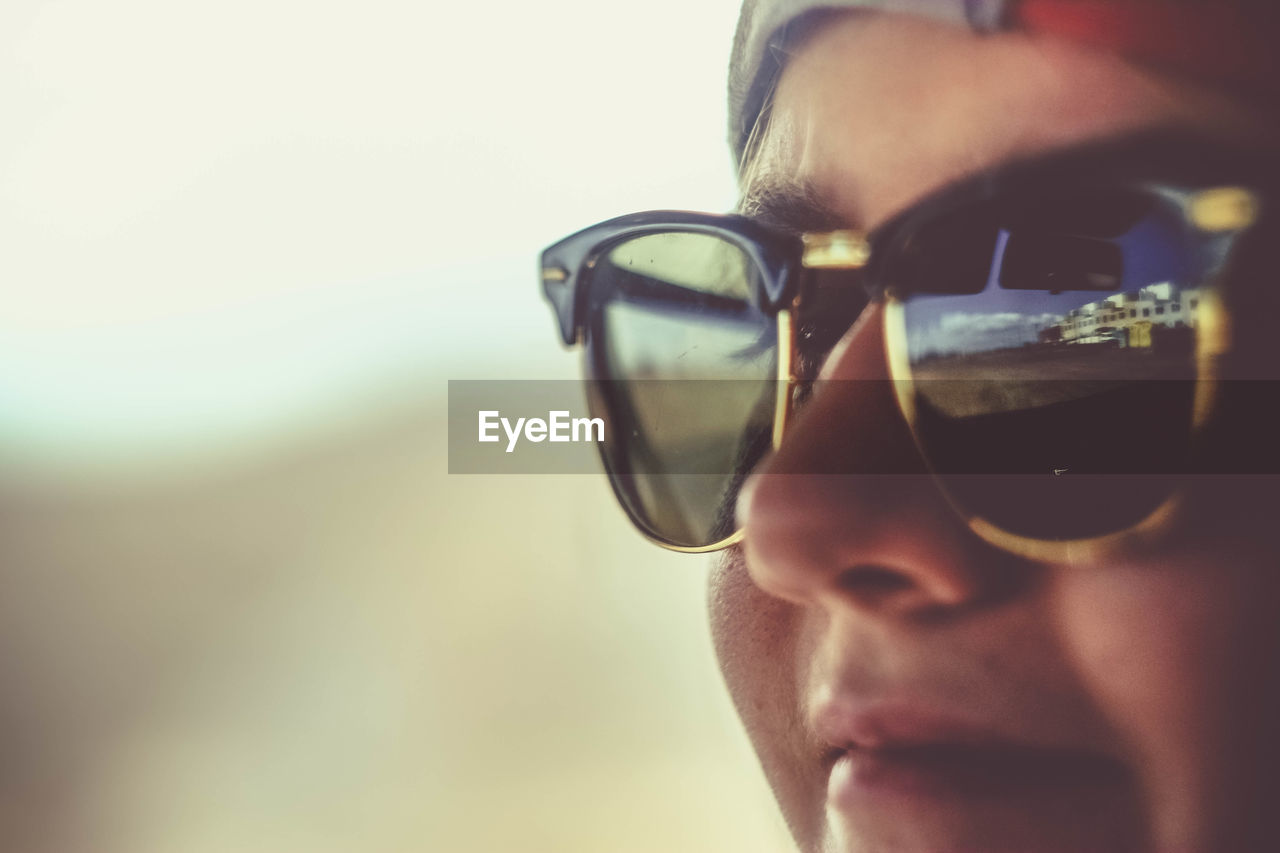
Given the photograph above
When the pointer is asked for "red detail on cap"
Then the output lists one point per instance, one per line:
(1229, 41)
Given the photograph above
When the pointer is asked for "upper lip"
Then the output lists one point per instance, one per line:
(884, 726)
(914, 728)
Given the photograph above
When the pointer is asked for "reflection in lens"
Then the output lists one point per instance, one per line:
(1073, 359)
(684, 365)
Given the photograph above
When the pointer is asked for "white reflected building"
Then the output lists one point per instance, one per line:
(1114, 319)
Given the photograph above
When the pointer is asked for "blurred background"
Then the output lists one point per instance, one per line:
(243, 247)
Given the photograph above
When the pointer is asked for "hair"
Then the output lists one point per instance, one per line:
(753, 182)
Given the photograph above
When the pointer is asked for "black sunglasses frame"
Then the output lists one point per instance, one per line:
(1173, 157)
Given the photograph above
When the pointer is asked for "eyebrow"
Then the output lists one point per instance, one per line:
(789, 205)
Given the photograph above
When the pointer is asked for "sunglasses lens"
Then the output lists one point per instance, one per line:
(1062, 344)
(683, 365)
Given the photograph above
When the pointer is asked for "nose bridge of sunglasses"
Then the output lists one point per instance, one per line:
(832, 296)
(835, 250)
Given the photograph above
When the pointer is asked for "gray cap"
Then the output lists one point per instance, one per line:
(760, 45)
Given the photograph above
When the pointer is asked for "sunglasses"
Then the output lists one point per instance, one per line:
(1055, 332)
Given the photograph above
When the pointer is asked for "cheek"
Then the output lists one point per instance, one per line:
(759, 641)
(1180, 658)
(1143, 643)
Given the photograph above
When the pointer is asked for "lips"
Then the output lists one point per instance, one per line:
(921, 756)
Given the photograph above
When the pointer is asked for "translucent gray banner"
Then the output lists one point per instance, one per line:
(1024, 427)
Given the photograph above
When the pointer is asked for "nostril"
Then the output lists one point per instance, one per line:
(873, 582)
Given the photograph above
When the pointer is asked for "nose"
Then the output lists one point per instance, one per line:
(844, 513)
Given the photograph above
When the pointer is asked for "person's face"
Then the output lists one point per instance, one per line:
(906, 686)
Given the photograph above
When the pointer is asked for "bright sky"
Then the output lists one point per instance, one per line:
(219, 219)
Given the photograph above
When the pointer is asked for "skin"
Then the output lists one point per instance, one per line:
(860, 610)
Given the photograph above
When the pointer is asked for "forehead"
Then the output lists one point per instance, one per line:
(875, 111)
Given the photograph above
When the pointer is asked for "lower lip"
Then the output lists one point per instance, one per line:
(934, 774)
